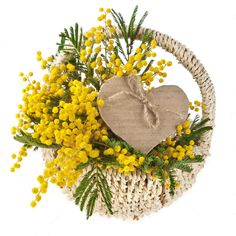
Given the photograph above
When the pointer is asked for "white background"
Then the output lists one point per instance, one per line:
(207, 28)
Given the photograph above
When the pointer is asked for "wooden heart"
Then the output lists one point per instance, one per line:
(143, 119)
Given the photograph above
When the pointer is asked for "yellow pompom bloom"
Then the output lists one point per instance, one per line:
(124, 151)
(97, 49)
(53, 180)
(101, 9)
(93, 64)
(111, 30)
(166, 162)
(192, 155)
(38, 198)
(33, 204)
(179, 148)
(175, 154)
(48, 142)
(138, 50)
(38, 58)
(186, 124)
(13, 130)
(62, 67)
(169, 63)
(197, 103)
(101, 17)
(154, 54)
(88, 43)
(83, 156)
(117, 148)
(108, 22)
(100, 102)
(108, 152)
(40, 179)
(143, 46)
(104, 76)
(104, 138)
(165, 157)
(191, 142)
(13, 156)
(119, 73)
(167, 185)
(50, 59)
(177, 185)
(94, 153)
(35, 190)
(141, 160)
(188, 131)
(153, 43)
(179, 127)
(70, 67)
(55, 110)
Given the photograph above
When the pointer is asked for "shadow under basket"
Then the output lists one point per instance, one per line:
(138, 194)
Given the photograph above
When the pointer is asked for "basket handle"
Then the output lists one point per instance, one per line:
(200, 75)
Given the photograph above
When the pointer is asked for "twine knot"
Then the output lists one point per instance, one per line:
(136, 90)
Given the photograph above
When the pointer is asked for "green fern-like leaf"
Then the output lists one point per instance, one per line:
(161, 175)
(172, 177)
(91, 203)
(28, 140)
(86, 195)
(71, 39)
(93, 183)
(139, 25)
(131, 28)
(185, 163)
(129, 33)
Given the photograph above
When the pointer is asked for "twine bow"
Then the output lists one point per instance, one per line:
(136, 90)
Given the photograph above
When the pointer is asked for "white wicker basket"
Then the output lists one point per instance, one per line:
(138, 194)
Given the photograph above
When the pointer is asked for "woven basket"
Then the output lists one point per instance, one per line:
(138, 194)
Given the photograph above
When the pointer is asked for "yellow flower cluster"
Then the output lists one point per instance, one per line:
(97, 42)
(25, 77)
(196, 105)
(130, 162)
(184, 128)
(178, 152)
(21, 154)
(61, 112)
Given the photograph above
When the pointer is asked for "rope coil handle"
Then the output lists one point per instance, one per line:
(199, 74)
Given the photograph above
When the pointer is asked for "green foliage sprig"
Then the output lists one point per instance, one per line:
(29, 141)
(130, 32)
(71, 39)
(93, 183)
(198, 129)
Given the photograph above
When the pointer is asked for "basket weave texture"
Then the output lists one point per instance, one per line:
(138, 194)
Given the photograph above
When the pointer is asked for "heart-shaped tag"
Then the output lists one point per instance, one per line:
(143, 119)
